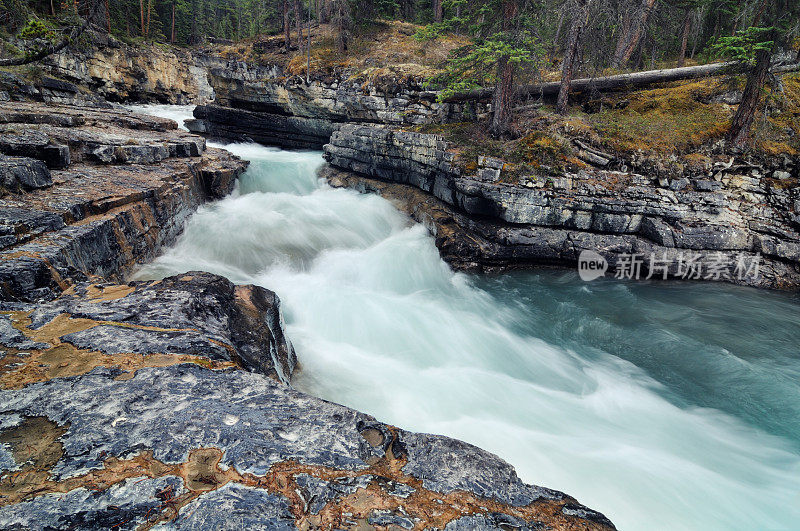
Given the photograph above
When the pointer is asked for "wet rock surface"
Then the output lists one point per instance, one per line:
(488, 221)
(129, 184)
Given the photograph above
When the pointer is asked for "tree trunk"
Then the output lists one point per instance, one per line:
(172, 36)
(141, 15)
(579, 20)
(743, 119)
(149, 9)
(298, 16)
(287, 33)
(437, 11)
(635, 34)
(321, 11)
(557, 37)
(342, 16)
(108, 17)
(623, 34)
(687, 25)
(503, 99)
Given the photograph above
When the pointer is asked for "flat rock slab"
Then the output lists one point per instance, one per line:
(167, 403)
(199, 449)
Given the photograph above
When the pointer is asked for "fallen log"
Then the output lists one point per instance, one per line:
(616, 82)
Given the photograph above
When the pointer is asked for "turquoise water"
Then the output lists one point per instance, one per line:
(663, 405)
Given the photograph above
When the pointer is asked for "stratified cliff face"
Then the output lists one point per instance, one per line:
(113, 189)
(265, 105)
(118, 72)
(106, 70)
(141, 404)
(487, 220)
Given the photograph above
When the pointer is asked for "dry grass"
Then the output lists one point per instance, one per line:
(778, 130)
(671, 119)
(386, 49)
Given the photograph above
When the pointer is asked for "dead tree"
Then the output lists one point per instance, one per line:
(607, 83)
(630, 39)
(287, 33)
(579, 19)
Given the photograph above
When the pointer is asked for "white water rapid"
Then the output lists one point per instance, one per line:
(662, 405)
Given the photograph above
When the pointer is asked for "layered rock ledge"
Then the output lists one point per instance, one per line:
(265, 105)
(103, 191)
(488, 220)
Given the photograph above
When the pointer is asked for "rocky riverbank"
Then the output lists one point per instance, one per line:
(736, 214)
(139, 404)
(736, 211)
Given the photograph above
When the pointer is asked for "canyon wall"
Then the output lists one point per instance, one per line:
(732, 212)
(266, 105)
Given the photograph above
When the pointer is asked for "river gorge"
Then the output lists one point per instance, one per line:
(306, 303)
(663, 404)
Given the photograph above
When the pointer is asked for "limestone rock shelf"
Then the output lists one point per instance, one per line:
(487, 220)
(110, 190)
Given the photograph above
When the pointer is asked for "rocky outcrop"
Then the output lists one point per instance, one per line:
(193, 318)
(270, 129)
(740, 212)
(266, 105)
(104, 69)
(135, 405)
(19, 174)
(126, 184)
(118, 72)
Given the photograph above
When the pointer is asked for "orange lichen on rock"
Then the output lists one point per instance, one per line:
(36, 448)
(23, 367)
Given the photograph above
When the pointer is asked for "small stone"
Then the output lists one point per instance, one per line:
(704, 185)
(20, 173)
(678, 184)
(489, 162)
(781, 175)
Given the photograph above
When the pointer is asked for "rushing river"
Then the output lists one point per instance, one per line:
(663, 405)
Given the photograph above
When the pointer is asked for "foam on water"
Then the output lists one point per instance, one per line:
(664, 406)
